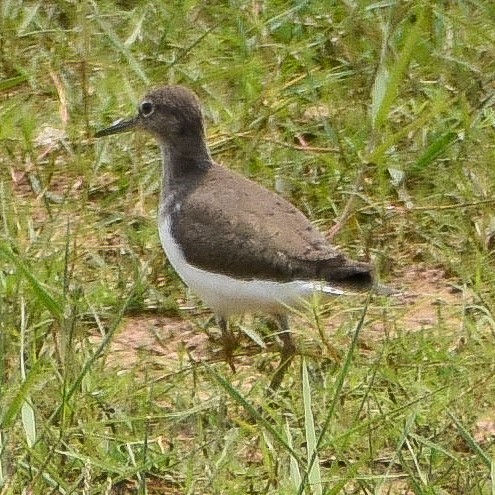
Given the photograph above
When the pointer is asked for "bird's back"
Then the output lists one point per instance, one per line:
(248, 232)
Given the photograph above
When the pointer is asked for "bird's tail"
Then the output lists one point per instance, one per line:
(354, 275)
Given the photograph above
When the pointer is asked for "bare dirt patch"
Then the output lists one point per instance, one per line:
(426, 289)
(163, 336)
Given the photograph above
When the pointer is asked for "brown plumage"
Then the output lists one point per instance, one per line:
(255, 233)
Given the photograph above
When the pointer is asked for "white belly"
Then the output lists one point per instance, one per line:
(227, 296)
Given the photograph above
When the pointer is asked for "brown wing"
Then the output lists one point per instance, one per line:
(248, 231)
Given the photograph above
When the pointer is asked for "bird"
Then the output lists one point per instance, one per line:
(240, 247)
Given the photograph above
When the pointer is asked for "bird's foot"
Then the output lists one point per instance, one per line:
(286, 354)
(229, 346)
(230, 343)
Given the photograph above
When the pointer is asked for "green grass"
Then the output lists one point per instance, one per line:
(377, 114)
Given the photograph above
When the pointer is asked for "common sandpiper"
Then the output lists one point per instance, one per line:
(239, 246)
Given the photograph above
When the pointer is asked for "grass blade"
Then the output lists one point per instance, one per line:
(27, 411)
(49, 301)
(338, 388)
(253, 412)
(121, 47)
(28, 422)
(2, 450)
(473, 444)
(12, 82)
(295, 472)
(10, 413)
(314, 473)
(387, 81)
(436, 148)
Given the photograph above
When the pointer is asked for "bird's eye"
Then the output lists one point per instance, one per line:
(146, 108)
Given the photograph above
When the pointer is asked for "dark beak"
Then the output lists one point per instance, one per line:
(120, 125)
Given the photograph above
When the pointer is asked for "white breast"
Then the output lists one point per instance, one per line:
(227, 295)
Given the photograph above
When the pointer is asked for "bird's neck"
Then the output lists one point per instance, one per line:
(183, 163)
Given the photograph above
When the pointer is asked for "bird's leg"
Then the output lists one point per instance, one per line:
(286, 354)
(229, 341)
